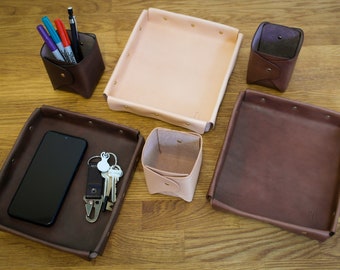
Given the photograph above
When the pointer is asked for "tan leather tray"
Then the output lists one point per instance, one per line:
(174, 68)
(71, 232)
(280, 164)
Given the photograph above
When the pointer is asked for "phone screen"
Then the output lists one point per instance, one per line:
(42, 190)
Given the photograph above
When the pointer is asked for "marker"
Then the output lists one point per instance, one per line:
(66, 41)
(75, 36)
(49, 42)
(53, 34)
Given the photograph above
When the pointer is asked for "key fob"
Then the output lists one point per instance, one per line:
(94, 187)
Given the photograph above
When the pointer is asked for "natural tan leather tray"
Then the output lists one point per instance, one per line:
(71, 232)
(174, 68)
(280, 164)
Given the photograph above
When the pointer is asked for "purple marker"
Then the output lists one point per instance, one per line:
(49, 42)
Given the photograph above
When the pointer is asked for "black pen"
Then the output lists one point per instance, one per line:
(75, 36)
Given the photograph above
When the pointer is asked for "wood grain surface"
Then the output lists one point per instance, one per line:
(158, 231)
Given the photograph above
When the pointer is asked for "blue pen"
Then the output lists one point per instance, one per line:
(54, 34)
(49, 42)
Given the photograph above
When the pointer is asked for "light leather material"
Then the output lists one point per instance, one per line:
(71, 232)
(280, 164)
(171, 161)
(174, 68)
(81, 78)
(273, 55)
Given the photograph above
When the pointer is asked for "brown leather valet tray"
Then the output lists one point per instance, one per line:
(70, 232)
(280, 164)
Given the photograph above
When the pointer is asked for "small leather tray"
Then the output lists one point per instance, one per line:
(280, 164)
(171, 161)
(174, 68)
(70, 232)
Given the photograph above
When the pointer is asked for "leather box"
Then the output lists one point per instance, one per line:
(280, 164)
(273, 55)
(81, 78)
(174, 68)
(171, 161)
(70, 232)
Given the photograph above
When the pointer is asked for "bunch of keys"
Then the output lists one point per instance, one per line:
(101, 194)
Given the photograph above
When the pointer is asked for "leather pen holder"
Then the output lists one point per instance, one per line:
(81, 78)
(171, 161)
(273, 55)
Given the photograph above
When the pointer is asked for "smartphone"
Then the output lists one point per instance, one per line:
(44, 186)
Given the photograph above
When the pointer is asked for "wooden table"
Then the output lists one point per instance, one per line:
(158, 231)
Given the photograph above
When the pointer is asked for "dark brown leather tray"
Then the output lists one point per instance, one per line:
(71, 232)
(280, 164)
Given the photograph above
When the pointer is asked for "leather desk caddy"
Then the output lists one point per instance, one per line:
(174, 68)
(280, 164)
(70, 232)
(273, 55)
(171, 161)
(81, 78)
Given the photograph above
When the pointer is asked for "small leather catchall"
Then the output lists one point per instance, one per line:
(171, 161)
(171, 65)
(280, 164)
(273, 55)
(81, 78)
(71, 232)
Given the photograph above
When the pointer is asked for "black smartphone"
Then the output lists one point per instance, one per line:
(42, 190)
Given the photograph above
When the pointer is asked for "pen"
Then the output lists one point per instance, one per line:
(75, 36)
(53, 33)
(49, 42)
(66, 41)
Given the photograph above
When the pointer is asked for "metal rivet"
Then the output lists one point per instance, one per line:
(279, 37)
(90, 123)
(327, 116)
(30, 128)
(220, 32)
(62, 75)
(294, 108)
(121, 131)
(269, 69)
(165, 18)
(60, 115)
(193, 25)
(179, 141)
(263, 100)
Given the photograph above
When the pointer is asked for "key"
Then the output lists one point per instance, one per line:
(107, 189)
(115, 172)
(103, 165)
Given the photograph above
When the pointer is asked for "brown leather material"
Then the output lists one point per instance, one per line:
(273, 55)
(71, 232)
(280, 164)
(81, 78)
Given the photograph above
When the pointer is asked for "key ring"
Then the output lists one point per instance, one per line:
(103, 153)
(89, 160)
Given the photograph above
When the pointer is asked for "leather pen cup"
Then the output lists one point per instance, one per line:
(80, 78)
(171, 161)
(273, 55)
